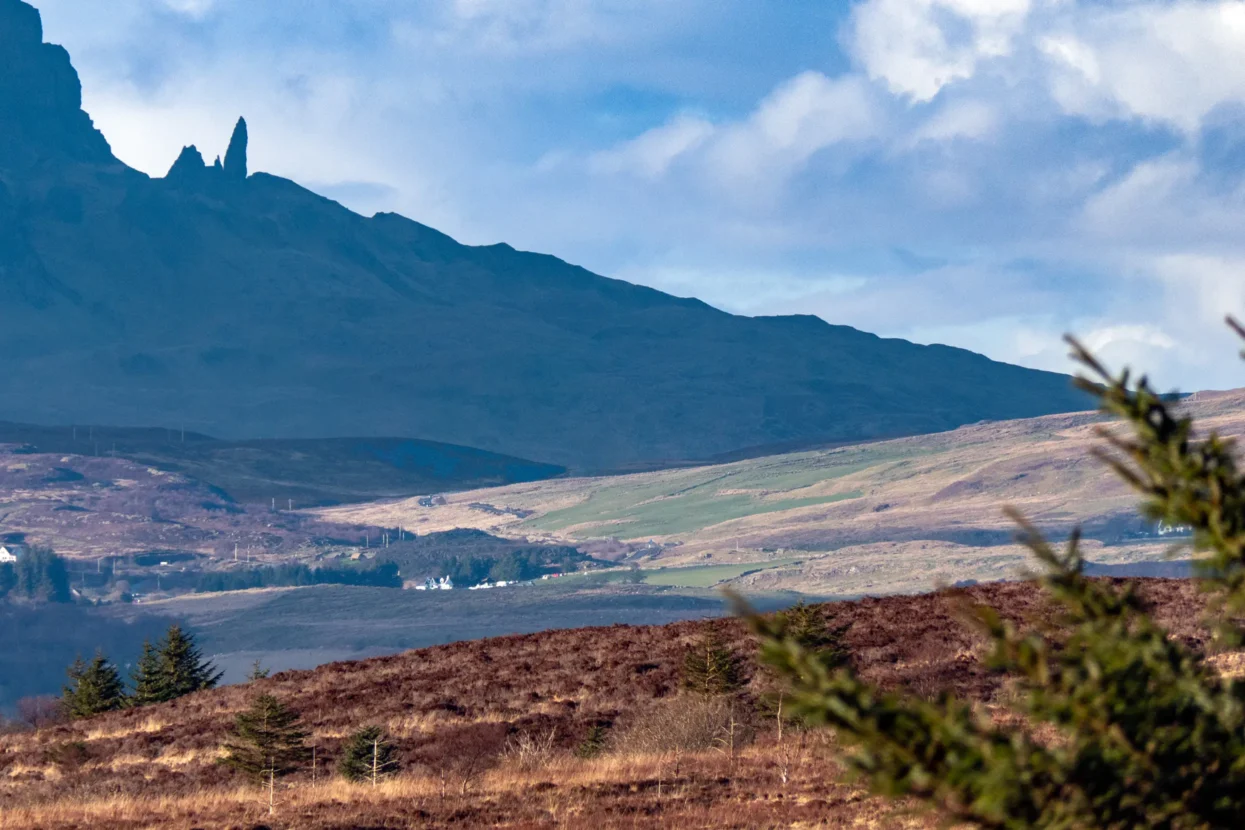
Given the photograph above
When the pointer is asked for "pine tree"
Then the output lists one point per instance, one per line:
(1143, 730)
(93, 688)
(148, 679)
(368, 756)
(257, 672)
(266, 741)
(806, 626)
(709, 668)
(594, 743)
(182, 667)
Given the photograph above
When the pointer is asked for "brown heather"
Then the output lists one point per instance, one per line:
(473, 720)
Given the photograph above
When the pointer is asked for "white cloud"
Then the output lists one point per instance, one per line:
(802, 116)
(536, 26)
(971, 119)
(191, 8)
(1172, 63)
(916, 47)
(1167, 203)
(752, 158)
(651, 154)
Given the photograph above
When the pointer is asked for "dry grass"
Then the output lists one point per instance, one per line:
(145, 726)
(486, 732)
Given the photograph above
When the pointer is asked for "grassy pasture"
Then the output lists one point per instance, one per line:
(685, 501)
(706, 576)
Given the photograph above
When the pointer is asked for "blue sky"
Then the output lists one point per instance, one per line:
(983, 173)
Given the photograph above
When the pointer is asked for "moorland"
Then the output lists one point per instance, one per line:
(492, 732)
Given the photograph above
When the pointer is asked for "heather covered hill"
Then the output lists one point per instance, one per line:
(305, 471)
(246, 306)
(518, 708)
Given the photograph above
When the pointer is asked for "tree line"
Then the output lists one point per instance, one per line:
(165, 671)
(38, 575)
(511, 566)
(384, 575)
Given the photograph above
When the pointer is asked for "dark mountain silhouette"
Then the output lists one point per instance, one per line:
(246, 306)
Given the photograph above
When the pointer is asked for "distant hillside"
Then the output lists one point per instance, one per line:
(246, 306)
(304, 471)
(880, 517)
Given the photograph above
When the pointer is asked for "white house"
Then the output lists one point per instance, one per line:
(9, 553)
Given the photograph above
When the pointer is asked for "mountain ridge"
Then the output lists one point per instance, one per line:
(248, 306)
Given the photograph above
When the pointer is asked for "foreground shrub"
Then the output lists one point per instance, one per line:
(687, 723)
(368, 756)
(532, 750)
(1149, 735)
(458, 756)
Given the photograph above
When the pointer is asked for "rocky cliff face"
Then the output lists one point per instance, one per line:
(242, 305)
(41, 113)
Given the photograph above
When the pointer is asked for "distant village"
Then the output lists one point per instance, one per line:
(445, 583)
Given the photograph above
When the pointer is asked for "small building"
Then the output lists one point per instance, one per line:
(10, 553)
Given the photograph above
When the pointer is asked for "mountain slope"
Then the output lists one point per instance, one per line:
(250, 307)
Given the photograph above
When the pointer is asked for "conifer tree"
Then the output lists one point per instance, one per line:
(182, 667)
(93, 688)
(805, 625)
(709, 668)
(594, 743)
(266, 741)
(368, 756)
(148, 679)
(1145, 732)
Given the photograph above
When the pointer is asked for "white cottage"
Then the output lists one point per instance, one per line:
(9, 553)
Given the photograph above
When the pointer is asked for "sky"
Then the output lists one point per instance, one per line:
(988, 174)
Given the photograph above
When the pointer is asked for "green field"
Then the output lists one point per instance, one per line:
(706, 576)
(684, 501)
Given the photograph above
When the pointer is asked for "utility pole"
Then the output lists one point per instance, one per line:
(291, 504)
(235, 551)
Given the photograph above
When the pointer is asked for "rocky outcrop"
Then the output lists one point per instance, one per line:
(40, 96)
(189, 168)
(235, 156)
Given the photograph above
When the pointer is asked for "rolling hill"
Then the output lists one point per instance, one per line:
(303, 471)
(880, 517)
(245, 306)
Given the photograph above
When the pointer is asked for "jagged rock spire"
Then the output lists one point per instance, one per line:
(235, 156)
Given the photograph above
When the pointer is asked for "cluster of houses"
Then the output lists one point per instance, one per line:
(442, 584)
(445, 583)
